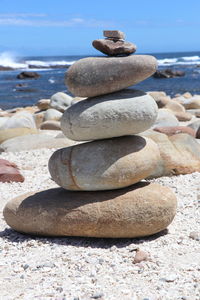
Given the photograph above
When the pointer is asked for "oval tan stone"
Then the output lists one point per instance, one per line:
(96, 76)
(140, 210)
(104, 164)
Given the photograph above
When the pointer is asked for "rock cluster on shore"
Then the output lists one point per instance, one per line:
(104, 196)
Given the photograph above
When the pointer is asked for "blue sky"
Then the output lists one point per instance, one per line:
(61, 27)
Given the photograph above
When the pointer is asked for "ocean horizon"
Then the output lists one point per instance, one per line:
(19, 93)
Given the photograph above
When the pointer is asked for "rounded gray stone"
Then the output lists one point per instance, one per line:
(104, 164)
(117, 114)
(96, 76)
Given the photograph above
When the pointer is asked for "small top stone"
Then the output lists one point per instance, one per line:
(115, 34)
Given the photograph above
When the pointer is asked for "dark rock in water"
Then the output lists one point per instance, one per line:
(168, 74)
(9, 172)
(21, 85)
(6, 68)
(113, 47)
(28, 75)
(96, 76)
(27, 90)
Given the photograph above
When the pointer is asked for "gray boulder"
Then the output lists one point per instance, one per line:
(117, 114)
(96, 76)
(60, 101)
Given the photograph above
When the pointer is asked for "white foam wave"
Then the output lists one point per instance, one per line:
(184, 60)
(191, 58)
(8, 60)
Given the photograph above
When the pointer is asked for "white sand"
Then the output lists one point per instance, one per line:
(83, 268)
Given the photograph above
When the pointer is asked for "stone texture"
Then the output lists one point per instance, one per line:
(9, 172)
(43, 104)
(7, 134)
(96, 76)
(34, 141)
(115, 34)
(161, 101)
(21, 119)
(104, 164)
(165, 118)
(183, 116)
(140, 210)
(175, 130)
(60, 101)
(114, 47)
(175, 106)
(195, 125)
(52, 114)
(39, 118)
(50, 125)
(116, 114)
(180, 153)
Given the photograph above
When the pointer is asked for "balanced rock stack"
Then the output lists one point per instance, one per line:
(102, 195)
(114, 44)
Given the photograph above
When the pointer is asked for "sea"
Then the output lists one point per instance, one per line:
(19, 93)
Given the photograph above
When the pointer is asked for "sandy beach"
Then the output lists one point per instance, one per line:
(87, 268)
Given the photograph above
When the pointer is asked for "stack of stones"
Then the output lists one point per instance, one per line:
(102, 195)
(114, 44)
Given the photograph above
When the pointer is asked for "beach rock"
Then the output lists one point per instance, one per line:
(104, 164)
(161, 101)
(180, 153)
(43, 104)
(7, 134)
(195, 125)
(141, 256)
(194, 112)
(114, 34)
(187, 95)
(96, 76)
(192, 103)
(28, 75)
(34, 141)
(175, 106)
(176, 130)
(60, 101)
(165, 118)
(38, 118)
(116, 114)
(9, 172)
(114, 47)
(50, 125)
(168, 73)
(140, 210)
(3, 120)
(197, 133)
(21, 119)
(52, 114)
(183, 116)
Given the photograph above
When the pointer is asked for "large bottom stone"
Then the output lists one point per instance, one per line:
(140, 210)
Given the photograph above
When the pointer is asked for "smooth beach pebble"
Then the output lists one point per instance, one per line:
(116, 114)
(140, 210)
(104, 164)
(96, 76)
